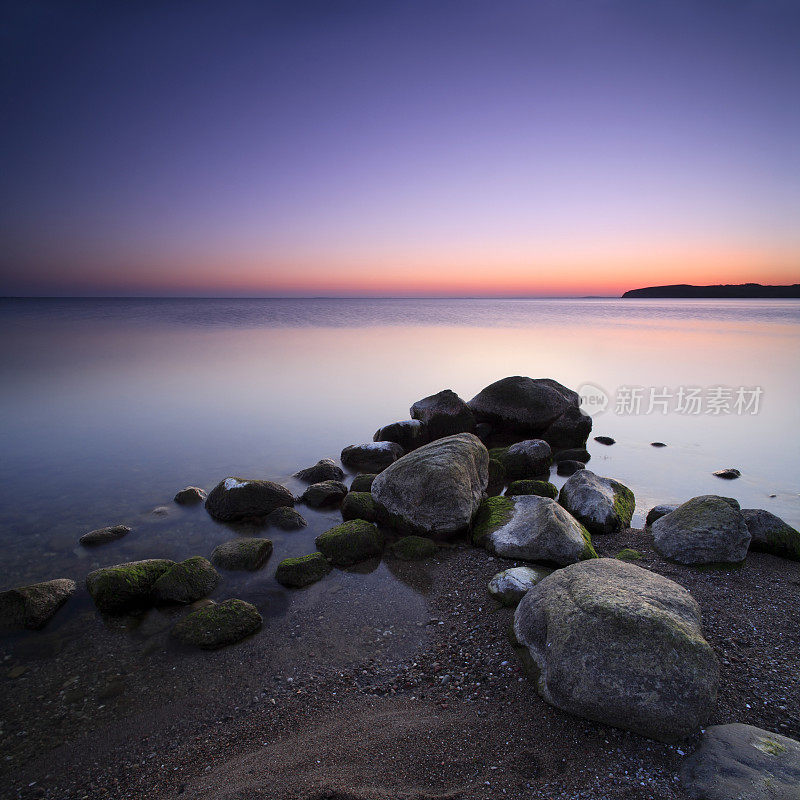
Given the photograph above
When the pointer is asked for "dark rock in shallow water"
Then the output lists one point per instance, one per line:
(218, 624)
(187, 581)
(771, 534)
(360, 505)
(657, 444)
(285, 518)
(413, 548)
(728, 474)
(656, 512)
(126, 587)
(573, 454)
(238, 499)
(372, 456)
(242, 554)
(605, 440)
(363, 483)
(190, 496)
(31, 607)
(742, 762)
(324, 470)
(569, 467)
(527, 459)
(295, 573)
(444, 414)
(603, 505)
(571, 429)
(540, 488)
(326, 493)
(409, 434)
(103, 535)
(351, 542)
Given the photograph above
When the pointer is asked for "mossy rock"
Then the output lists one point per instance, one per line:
(628, 555)
(125, 587)
(413, 548)
(186, 582)
(218, 624)
(539, 488)
(352, 541)
(295, 573)
(771, 534)
(242, 554)
(497, 477)
(285, 518)
(492, 514)
(360, 505)
(363, 483)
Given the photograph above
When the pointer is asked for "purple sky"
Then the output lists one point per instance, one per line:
(398, 147)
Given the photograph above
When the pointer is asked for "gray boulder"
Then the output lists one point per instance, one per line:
(190, 496)
(741, 762)
(238, 499)
(324, 470)
(104, 535)
(620, 645)
(656, 512)
(187, 581)
(218, 624)
(242, 554)
(536, 529)
(409, 434)
(704, 530)
(510, 586)
(528, 459)
(443, 414)
(771, 534)
(126, 587)
(436, 489)
(31, 607)
(372, 456)
(285, 518)
(326, 493)
(603, 505)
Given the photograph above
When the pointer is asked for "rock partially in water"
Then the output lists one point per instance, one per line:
(528, 459)
(31, 607)
(413, 548)
(190, 496)
(565, 468)
(352, 541)
(240, 499)
(187, 581)
(570, 430)
(656, 512)
(533, 528)
(540, 488)
(363, 483)
(408, 433)
(704, 530)
(242, 554)
(325, 493)
(294, 573)
(728, 474)
(572, 454)
(620, 645)
(607, 440)
(511, 585)
(443, 414)
(218, 624)
(436, 489)
(771, 534)
(104, 535)
(603, 505)
(742, 762)
(286, 519)
(372, 456)
(360, 505)
(126, 587)
(324, 470)
(657, 444)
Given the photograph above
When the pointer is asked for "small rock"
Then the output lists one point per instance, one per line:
(160, 511)
(372, 456)
(728, 474)
(540, 488)
(295, 573)
(103, 535)
(603, 505)
(187, 581)
(125, 587)
(657, 444)
(31, 607)
(569, 467)
(16, 672)
(510, 586)
(771, 534)
(656, 512)
(350, 542)
(324, 470)
(190, 496)
(218, 625)
(285, 518)
(443, 414)
(360, 505)
(363, 483)
(605, 440)
(325, 493)
(242, 554)
(409, 434)
(239, 499)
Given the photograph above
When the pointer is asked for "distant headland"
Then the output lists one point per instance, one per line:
(732, 291)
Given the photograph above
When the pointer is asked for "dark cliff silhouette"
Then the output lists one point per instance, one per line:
(740, 290)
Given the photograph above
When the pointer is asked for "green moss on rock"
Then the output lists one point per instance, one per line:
(242, 554)
(493, 513)
(624, 503)
(352, 541)
(363, 483)
(497, 477)
(125, 587)
(413, 548)
(628, 555)
(186, 582)
(302, 571)
(539, 488)
(588, 550)
(360, 505)
(217, 625)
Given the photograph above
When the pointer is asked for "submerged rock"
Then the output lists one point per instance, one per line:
(656, 512)
(413, 548)
(771, 534)
(409, 434)
(704, 530)
(324, 470)
(443, 414)
(351, 542)
(190, 496)
(363, 483)
(104, 535)
(126, 587)
(527, 459)
(360, 505)
(620, 645)
(565, 468)
(729, 474)
(436, 489)
(242, 554)
(238, 499)
(31, 607)
(372, 456)
(540, 488)
(326, 493)
(742, 762)
(510, 586)
(603, 505)
(218, 624)
(533, 528)
(285, 518)
(187, 581)
(295, 573)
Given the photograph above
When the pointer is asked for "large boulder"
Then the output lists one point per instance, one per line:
(372, 456)
(741, 762)
(294, 573)
(126, 587)
(603, 505)
(324, 470)
(246, 553)
(218, 624)
(325, 493)
(528, 459)
(408, 433)
(436, 489)
(443, 414)
(771, 534)
(32, 606)
(352, 541)
(511, 585)
(187, 581)
(618, 644)
(104, 535)
(238, 499)
(532, 528)
(704, 530)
